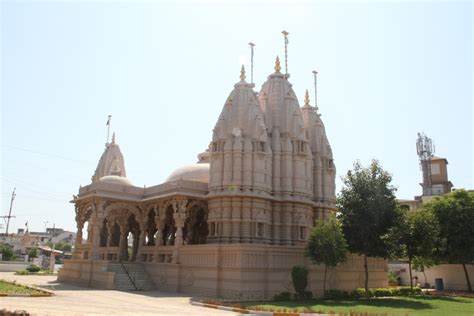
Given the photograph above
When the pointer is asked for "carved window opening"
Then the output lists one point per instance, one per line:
(213, 229)
(260, 230)
(302, 232)
(217, 146)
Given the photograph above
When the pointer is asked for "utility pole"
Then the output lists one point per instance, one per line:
(10, 211)
(53, 255)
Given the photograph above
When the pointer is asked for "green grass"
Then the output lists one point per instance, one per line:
(420, 305)
(13, 288)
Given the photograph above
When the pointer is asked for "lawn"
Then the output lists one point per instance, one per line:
(421, 305)
(13, 288)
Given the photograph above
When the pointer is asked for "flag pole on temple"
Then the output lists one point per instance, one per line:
(108, 128)
(252, 45)
(285, 35)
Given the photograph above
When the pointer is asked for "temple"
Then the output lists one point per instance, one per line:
(233, 224)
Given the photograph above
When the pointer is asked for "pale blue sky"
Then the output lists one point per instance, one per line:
(163, 70)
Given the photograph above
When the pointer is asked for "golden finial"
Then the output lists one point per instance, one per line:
(306, 98)
(277, 65)
(113, 138)
(242, 73)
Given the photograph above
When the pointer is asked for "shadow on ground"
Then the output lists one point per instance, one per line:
(61, 286)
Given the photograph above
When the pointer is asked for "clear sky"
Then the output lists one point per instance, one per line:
(387, 70)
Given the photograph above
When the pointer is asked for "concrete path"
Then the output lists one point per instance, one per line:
(74, 300)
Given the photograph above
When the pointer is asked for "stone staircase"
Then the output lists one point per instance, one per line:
(131, 276)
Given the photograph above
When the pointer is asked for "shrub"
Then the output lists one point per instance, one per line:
(7, 252)
(299, 276)
(359, 292)
(392, 278)
(33, 269)
(21, 272)
(335, 294)
(33, 253)
(381, 292)
(283, 296)
(305, 295)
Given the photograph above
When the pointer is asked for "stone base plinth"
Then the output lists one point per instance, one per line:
(235, 271)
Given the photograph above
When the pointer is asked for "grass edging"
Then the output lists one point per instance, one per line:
(38, 292)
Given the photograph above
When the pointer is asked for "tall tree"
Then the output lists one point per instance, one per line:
(327, 245)
(368, 210)
(455, 215)
(418, 236)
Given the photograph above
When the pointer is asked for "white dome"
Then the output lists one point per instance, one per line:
(115, 180)
(197, 172)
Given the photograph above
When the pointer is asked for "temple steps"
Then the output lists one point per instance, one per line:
(131, 276)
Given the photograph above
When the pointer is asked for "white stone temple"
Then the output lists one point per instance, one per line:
(231, 225)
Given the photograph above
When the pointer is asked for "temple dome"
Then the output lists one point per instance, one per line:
(280, 105)
(196, 172)
(241, 115)
(114, 179)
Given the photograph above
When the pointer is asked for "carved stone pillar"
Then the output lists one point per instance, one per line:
(179, 218)
(80, 225)
(95, 240)
(141, 241)
(110, 231)
(123, 247)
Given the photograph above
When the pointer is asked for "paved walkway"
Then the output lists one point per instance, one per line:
(74, 300)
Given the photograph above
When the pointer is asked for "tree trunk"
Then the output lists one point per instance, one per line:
(469, 287)
(324, 283)
(366, 268)
(411, 277)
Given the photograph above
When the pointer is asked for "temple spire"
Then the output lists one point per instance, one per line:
(277, 65)
(242, 73)
(306, 99)
(113, 138)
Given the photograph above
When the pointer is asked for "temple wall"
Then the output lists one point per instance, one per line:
(255, 272)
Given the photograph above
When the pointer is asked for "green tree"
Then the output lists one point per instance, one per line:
(420, 264)
(7, 252)
(418, 236)
(455, 215)
(368, 212)
(327, 245)
(33, 253)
